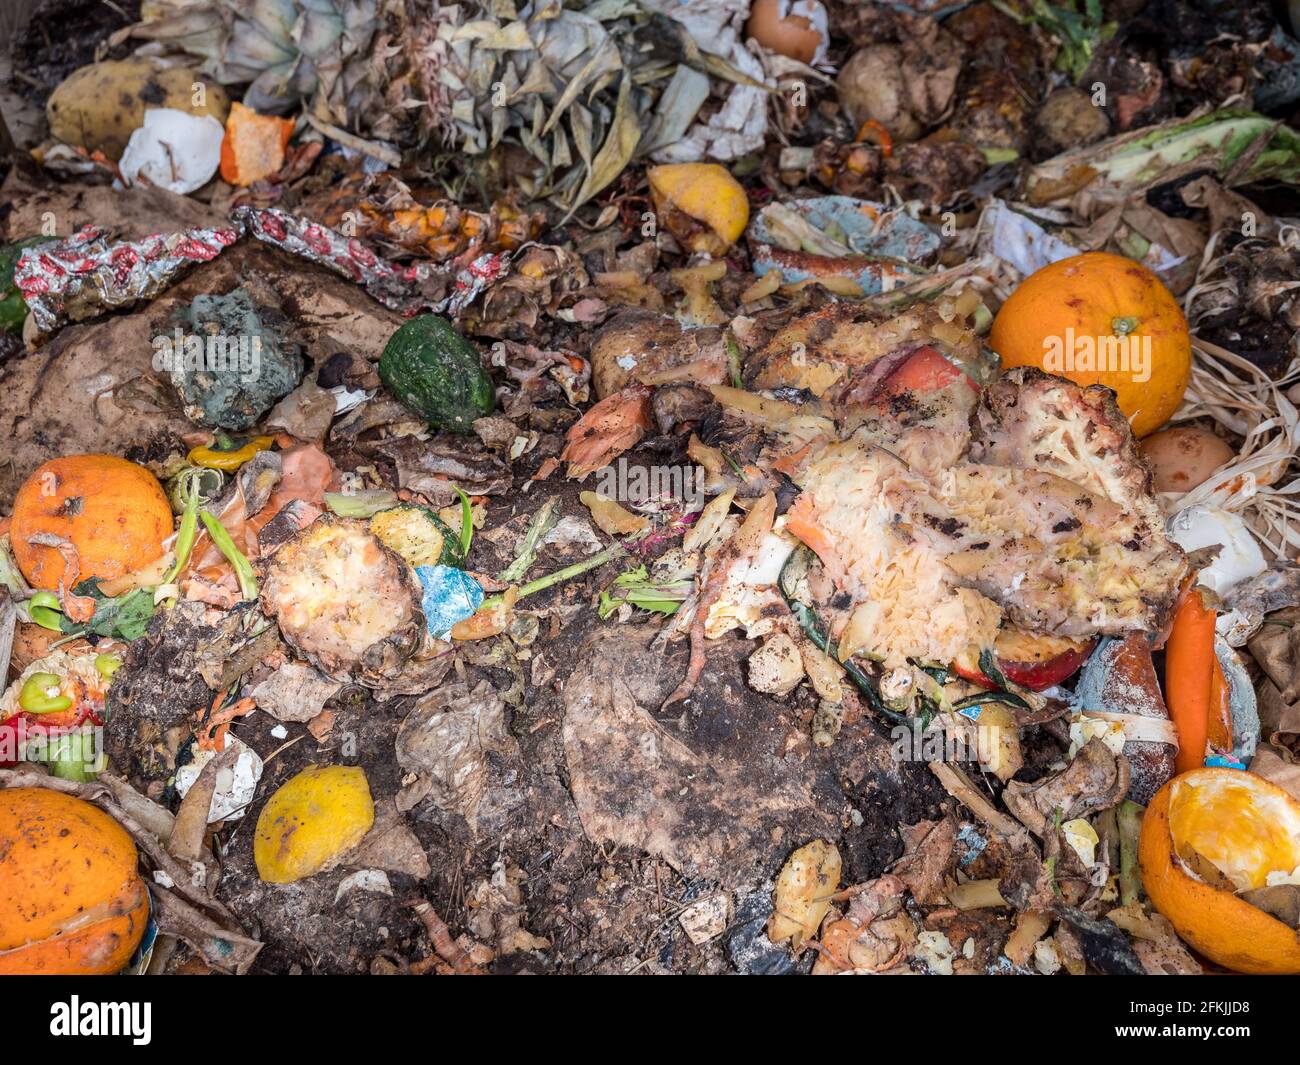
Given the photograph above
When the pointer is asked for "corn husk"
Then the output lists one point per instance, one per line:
(1240, 146)
(1263, 482)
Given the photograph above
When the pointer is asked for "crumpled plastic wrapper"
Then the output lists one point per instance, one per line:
(450, 595)
(407, 289)
(87, 274)
(1017, 239)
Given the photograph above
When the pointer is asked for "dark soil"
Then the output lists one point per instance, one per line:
(604, 908)
(63, 35)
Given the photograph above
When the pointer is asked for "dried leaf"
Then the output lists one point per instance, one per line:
(618, 149)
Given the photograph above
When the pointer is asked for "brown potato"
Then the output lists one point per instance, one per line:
(98, 107)
(1067, 119)
(871, 86)
(636, 344)
(1184, 457)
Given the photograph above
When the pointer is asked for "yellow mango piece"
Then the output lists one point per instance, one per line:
(613, 519)
(706, 193)
(314, 818)
(99, 106)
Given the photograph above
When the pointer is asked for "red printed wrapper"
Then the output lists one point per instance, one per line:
(406, 288)
(87, 274)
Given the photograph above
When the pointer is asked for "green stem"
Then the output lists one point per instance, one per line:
(242, 567)
(548, 514)
(613, 551)
(811, 625)
(1130, 829)
(188, 531)
(46, 611)
(734, 362)
(466, 523)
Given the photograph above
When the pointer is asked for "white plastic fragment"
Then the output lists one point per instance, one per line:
(706, 918)
(1205, 526)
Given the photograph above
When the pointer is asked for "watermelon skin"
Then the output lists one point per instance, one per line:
(437, 374)
(408, 530)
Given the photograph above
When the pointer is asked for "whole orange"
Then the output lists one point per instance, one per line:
(1101, 319)
(112, 511)
(1246, 828)
(73, 899)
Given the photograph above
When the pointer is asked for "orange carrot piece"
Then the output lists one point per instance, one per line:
(875, 133)
(1189, 676)
(1220, 725)
(212, 733)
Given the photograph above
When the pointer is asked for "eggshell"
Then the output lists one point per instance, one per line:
(1240, 557)
(173, 150)
(793, 28)
(1184, 457)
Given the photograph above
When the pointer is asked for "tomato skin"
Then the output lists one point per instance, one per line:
(1035, 675)
(925, 370)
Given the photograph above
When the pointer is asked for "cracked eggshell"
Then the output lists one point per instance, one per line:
(236, 785)
(374, 881)
(1204, 526)
(173, 150)
(343, 600)
(797, 29)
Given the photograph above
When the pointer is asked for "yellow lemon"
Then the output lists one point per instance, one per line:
(314, 818)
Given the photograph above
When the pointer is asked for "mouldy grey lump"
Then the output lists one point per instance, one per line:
(229, 366)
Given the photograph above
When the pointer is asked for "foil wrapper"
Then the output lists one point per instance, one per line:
(88, 274)
(406, 288)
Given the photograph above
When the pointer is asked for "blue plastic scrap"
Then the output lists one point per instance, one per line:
(887, 247)
(450, 595)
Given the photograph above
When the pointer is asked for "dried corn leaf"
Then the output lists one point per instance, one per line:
(616, 152)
